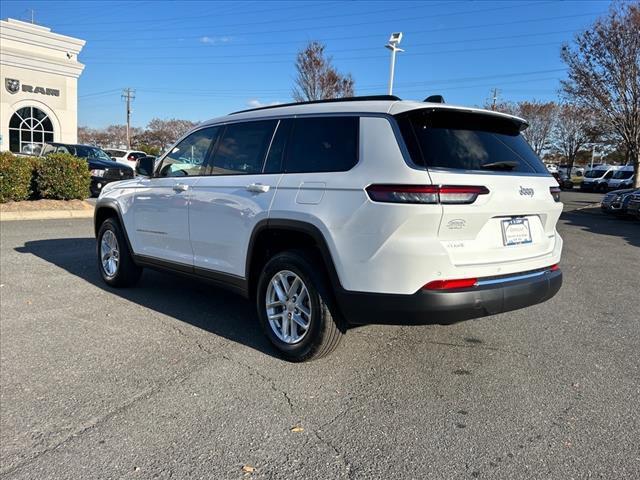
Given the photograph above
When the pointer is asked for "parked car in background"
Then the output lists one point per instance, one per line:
(595, 180)
(128, 157)
(563, 180)
(620, 177)
(103, 168)
(575, 171)
(633, 206)
(618, 201)
(551, 167)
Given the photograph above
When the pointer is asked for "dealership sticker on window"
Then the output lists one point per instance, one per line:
(516, 231)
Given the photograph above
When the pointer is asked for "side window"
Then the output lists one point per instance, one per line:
(608, 175)
(323, 144)
(187, 159)
(273, 164)
(242, 148)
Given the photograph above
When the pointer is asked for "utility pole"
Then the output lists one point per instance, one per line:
(494, 94)
(128, 95)
(33, 15)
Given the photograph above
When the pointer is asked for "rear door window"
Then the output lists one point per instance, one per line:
(322, 144)
(467, 141)
(242, 148)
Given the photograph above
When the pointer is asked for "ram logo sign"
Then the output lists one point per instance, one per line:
(13, 86)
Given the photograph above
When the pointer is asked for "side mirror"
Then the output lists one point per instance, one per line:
(145, 166)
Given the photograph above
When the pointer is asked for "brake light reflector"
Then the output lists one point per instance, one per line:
(555, 193)
(451, 284)
(425, 194)
(555, 267)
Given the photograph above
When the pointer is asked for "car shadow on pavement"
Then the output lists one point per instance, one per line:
(188, 300)
(593, 220)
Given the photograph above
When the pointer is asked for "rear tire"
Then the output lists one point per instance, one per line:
(296, 308)
(115, 263)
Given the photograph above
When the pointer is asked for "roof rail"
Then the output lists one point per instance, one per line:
(329, 100)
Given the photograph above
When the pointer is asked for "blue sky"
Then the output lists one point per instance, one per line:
(200, 59)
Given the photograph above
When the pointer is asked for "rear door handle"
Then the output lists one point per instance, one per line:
(180, 187)
(258, 188)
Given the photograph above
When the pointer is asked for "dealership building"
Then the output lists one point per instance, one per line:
(39, 91)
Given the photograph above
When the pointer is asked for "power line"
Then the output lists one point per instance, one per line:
(288, 57)
(368, 23)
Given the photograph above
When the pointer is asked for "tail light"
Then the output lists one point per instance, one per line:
(554, 267)
(131, 158)
(425, 194)
(555, 193)
(451, 284)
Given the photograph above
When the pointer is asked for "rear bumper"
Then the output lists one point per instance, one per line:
(446, 307)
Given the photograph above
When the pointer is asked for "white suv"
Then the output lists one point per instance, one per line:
(334, 213)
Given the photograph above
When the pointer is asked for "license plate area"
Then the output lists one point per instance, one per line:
(515, 231)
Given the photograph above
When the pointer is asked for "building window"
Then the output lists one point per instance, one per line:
(29, 129)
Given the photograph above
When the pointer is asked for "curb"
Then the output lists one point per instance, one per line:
(45, 215)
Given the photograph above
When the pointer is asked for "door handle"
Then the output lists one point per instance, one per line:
(180, 187)
(258, 188)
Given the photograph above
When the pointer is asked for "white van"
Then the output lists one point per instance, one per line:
(621, 178)
(596, 179)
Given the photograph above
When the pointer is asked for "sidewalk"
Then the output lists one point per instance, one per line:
(46, 210)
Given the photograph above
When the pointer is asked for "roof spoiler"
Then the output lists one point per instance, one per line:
(434, 99)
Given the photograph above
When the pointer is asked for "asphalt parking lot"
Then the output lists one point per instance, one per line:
(173, 379)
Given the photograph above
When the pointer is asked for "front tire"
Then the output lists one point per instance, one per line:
(296, 308)
(115, 263)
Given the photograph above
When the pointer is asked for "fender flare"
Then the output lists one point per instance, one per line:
(296, 226)
(110, 204)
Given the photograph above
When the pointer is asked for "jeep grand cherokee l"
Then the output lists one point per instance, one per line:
(344, 212)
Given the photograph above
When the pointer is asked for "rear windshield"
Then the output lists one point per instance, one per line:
(116, 153)
(623, 174)
(467, 141)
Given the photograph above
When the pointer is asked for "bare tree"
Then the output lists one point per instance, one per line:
(572, 132)
(317, 78)
(162, 133)
(541, 117)
(604, 74)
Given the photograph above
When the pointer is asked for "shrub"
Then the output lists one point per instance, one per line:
(15, 177)
(61, 176)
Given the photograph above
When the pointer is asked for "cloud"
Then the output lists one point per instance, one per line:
(255, 103)
(215, 40)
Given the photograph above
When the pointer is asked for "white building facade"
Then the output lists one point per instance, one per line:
(39, 90)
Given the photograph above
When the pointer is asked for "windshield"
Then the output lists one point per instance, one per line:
(595, 173)
(467, 141)
(92, 153)
(623, 174)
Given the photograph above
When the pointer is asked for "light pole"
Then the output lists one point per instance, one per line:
(394, 41)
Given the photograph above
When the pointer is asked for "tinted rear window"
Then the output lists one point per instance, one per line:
(322, 144)
(467, 141)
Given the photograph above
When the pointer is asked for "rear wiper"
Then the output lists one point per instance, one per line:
(500, 165)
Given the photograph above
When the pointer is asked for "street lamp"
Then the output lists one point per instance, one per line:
(394, 41)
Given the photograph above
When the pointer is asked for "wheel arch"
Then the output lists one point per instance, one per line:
(109, 208)
(299, 233)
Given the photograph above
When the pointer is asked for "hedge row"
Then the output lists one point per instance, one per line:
(59, 176)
